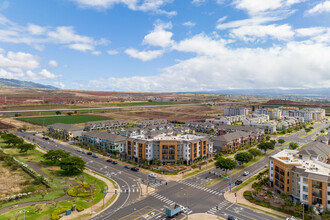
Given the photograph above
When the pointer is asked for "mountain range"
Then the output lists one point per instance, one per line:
(23, 84)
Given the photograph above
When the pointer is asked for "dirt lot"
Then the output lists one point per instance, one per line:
(11, 182)
(180, 113)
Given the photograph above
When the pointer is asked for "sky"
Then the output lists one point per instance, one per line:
(166, 45)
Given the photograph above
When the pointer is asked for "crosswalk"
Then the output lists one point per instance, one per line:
(170, 202)
(130, 190)
(200, 187)
(218, 207)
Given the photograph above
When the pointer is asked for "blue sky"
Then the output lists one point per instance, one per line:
(166, 45)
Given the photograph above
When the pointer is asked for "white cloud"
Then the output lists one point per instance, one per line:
(320, 8)
(112, 52)
(159, 36)
(257, 20)
(19, 65)
(309, 32)
(253, 32)
(96, 53)
(59, 84)
(189, 24)
(220, 20)
(135, 5)
(37, 36)
(256, 7)
(217, 66)
(198, 2)
(144, 55)
(36, 29)
(53, 64)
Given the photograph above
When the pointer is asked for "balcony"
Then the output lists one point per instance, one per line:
(317, 186)
(317, 194)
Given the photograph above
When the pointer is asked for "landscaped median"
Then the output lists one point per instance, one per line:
(310, 132)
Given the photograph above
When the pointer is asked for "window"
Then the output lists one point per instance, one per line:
(288, 173)
(305, 197)
(328, 193)
(288, 181)
(287, 189)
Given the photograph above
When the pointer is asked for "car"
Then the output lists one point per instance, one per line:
(95, 156)
(135, 169)
(109, 160)
(79, 150)
(84, 152)
(246, 173)
(89, 153)
(114, 162)
(232, 218)
(127, 167)
(152, 175)
(237, 182)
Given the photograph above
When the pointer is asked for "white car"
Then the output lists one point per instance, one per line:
(152, 175)
(246, 173)
(79, 150)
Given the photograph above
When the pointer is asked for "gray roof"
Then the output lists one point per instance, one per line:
(323, 138)
(240, 128)
(105, 136)
(66, 127)
(315, 149)
(230, 136)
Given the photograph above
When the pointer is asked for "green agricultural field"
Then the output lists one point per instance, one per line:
(69, 119)
(127, 104)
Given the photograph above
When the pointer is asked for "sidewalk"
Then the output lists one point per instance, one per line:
(108, 196)
(240, 199)
(204, 216)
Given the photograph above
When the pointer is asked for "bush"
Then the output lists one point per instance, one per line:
(29, 188)
(59, 211)
(80, 208)
(194, 166)
(81, 190)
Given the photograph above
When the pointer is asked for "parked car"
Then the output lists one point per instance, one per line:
(95, 156)
(127, 167)
(232, 218)
(237, 182)
(135, 169)
(114, 162)
(109, 160)
(89, 153)
(152, 175)
(79, 150)
(84, 152)
(246, 173)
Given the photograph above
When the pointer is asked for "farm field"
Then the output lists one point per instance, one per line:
(127, 104)
(68, 119)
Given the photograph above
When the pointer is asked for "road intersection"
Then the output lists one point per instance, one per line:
(191, 193)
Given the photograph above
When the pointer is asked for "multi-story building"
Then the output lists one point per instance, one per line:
(273, 113)
(102, 125)
(168, 148)
(303, 174)
(104, 141)
(231, 142)
(64, 131)
(232, 111)
(309, 114)
(152, 122)
(224, 129)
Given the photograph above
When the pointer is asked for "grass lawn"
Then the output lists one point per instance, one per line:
(197, 171)
(68, 119)
(311, 132)
(127, 104)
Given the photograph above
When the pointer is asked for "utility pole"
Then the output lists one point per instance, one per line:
(147, 182)
(104, 191)
(230, 181)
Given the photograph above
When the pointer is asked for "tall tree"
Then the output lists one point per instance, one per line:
(243, 157)
(56, 155)
(72, 165)
(225, 164)
(255, 152)
(25, 147)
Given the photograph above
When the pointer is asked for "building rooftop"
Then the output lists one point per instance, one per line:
(67, 127)
(187, 137)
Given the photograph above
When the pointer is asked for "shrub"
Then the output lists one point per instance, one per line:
(80, 208)
(29, 188)
(81, 190)
(194, 166)
(58, 211)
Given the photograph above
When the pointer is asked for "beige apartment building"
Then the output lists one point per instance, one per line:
(303, 174)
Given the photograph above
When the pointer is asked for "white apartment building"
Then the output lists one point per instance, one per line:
(232, 111)
(273, 113)
(309, 114)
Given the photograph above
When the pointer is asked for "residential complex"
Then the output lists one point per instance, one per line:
(303, 174)
(102, 125)
(233, 111)
(168, 148)
(64, 131)
(309, 114)
(273, 113)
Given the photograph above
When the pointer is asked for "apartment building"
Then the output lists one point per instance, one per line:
(231, 142)
(303, 174)
(168, 148)
(103, 141)
(64, 131)
(256, 132)
(325, 139)
(273, 113)
(232, 111)
(151, 122)
(309, 114)
(102, 125)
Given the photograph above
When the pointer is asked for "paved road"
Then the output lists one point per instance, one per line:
(189, 193)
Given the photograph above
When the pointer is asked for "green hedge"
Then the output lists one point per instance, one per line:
(59, 211)
(80, 208)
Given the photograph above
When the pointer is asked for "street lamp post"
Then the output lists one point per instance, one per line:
(186, 199)
(303, 211)
(104, 191)
(90, 186)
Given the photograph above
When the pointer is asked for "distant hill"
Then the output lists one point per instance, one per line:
(23, 84)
